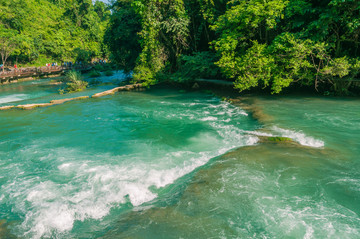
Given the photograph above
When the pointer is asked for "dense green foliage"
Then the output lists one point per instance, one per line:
(43, 31)
(94, 73)
(122, 35)
(272, 44)
(74, 82)
(109, 73)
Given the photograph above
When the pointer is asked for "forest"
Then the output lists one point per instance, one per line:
(269, 45)
(36, 32)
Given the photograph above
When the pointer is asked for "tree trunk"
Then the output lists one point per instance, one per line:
(3, 61)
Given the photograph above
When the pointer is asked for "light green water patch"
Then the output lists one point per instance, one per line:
(70, 171)
(272, 190)
(152, 165)
(333, 122)
(21, 92)
(265, 191)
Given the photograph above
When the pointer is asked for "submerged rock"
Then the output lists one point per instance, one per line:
(279, 139)
(253, 108)
(61, 101)
(137, 87)
(117, 89)
(56, 83)
(33, 106)
(7, 107)
(4, 231)
(195, 86)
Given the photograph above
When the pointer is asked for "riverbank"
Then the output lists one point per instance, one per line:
(32, 73)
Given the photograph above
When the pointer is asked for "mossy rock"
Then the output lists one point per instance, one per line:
(279, 139)
(7, 107)
(195, 86)
(209, 92)
(109, 73)
(227, 99)
(94, 74)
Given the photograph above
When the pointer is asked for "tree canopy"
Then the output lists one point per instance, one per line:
(272, 44)
(55, 30)
(255, 43)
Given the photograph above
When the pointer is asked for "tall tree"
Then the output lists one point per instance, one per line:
(8, 43)
(122, 35)
(163, 37)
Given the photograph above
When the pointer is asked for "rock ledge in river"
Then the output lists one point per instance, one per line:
(61, 101)
(33, 106)
(277, 139)
(117, 89)
(7, 107)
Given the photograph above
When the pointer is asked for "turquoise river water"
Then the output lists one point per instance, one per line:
(165, 164)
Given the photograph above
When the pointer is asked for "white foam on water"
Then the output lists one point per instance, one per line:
(55, 207)
(192, 104)
(64, 166)
(322, 219)
(351, 183)
(299, 137)
(221, 112)
(90, 188)
(50, 216)
(230, 110)
(252, 140)
(94, 190)
(13, 98)
(277, 210)
(209, 118)
(259, 133)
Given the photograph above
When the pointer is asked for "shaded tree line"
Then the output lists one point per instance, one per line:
(271, 44)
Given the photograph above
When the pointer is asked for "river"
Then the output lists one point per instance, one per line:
(171, 164)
